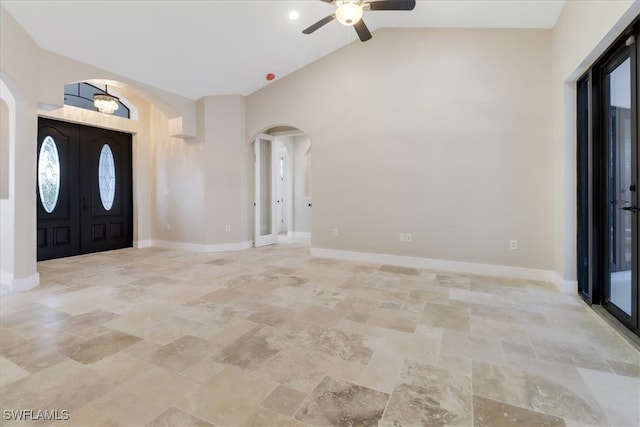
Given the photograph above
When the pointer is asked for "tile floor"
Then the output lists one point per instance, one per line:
(274, 337)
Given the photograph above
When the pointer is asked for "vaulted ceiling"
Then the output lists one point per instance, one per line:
(216, 47)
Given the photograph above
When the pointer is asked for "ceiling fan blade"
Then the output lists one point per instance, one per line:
(362, 30)
(321, 23)
(391, 5)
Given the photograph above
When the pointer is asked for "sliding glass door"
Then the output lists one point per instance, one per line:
(608, 179)
(621, 283)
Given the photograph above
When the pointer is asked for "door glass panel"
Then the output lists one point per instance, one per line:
(106, 177)
(620, 220)
(49, 174)
(265, 187)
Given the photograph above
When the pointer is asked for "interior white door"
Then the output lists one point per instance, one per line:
(265, 194)
(282, 181)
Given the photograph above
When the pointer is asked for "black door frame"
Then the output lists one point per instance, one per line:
(593, 243)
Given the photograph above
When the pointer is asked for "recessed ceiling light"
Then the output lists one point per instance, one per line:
(293, 15)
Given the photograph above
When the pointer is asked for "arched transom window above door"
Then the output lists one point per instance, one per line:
(81, 95)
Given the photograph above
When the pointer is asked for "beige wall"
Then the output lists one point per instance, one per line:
(226, 151)
(19, 72)
(35, 79)
(447, 134)
(582, 33)
(179, 188)
(443, 134)
(7, 241)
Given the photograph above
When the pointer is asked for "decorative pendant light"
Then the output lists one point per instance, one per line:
(104, 102)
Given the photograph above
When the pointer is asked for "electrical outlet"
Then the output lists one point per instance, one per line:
(402, 237)
(227, 228)
(168, 227)
(408, 238)
(513, 245)
(335, 232)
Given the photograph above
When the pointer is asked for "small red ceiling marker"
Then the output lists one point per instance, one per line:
(271, 76)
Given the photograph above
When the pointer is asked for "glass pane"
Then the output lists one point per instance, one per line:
(265, 187)
(619, 185)
(49, 174)
(106, 177)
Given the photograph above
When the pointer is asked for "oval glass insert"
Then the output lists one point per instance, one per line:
(106, 177)
(49, 174)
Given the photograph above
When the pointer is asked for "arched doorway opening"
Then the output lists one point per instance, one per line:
(282, 185)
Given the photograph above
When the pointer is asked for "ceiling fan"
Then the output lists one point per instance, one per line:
(349, 12)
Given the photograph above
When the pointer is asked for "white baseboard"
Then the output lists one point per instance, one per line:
(299, 234)
(5, 278)
(198, 247)
(565, 286)
(442, 265)
(20, 285)
(141, 244)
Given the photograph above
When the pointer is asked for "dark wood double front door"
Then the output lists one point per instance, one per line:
(84, 189)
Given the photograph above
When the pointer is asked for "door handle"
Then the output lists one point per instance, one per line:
(633, 209)
(84, 204)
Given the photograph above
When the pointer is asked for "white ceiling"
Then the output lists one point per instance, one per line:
(216, 47)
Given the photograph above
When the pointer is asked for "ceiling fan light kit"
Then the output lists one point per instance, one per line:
(349, 13)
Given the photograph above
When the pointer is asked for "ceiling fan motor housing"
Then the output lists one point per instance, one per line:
(349, 12)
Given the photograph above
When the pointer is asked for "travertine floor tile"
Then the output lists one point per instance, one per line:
(99, 347)
(323, 316)
(182, 353)
(472, 346)
(617, 395)
(428, 395)
(336, 343)
(347, 371)
(121, 366)
(10, 372)
(251, 350)
(173, 417)
(228, 398)
(399, 320)
(284, 400)
(223, 296)
(489, 413)
(339, 403)
(583, 356)
(446, 316)
(51, 388)
(265, 417)
(144, 397)
(401, 270)
(275, 337)
(533, 391)
(297, 368)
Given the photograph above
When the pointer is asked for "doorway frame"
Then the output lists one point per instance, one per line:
(271, 238)
(277, 131)
(592, 149)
